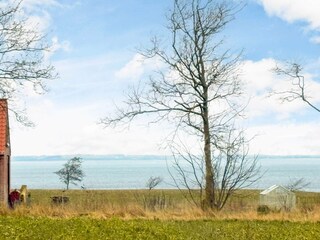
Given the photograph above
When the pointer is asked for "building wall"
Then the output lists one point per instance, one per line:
(4, 178)
(4, 152)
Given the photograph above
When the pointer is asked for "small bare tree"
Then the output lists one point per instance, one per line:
(153, 182)
(22, 62)
(297, 184)
(298, 86)
(71, 172)
(198, 91)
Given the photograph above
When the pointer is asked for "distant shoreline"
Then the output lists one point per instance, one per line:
(88, 157)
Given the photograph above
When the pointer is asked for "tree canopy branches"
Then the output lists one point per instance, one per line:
(22, 62)
(197, 91)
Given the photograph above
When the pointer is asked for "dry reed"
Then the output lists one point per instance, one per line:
(160, 204)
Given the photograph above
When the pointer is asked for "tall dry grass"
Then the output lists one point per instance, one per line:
(156, 204)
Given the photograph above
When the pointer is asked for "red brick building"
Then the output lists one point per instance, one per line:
(5, 152)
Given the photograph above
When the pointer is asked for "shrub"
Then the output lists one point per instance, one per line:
(263, 209)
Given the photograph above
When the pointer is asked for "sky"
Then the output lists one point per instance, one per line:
(94, 51)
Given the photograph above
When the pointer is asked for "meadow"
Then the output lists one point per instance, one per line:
(155, 214)
(89, 228)
(157, 204)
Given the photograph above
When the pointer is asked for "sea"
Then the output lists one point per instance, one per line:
(133, 172)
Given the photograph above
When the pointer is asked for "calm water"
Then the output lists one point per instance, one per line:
(128, 172)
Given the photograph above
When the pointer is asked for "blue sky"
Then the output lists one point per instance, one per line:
(94, 51)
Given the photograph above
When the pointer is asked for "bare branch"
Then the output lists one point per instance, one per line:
(298, 90)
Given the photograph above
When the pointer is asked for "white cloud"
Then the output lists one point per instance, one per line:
(133, 69)
(315, 39)
(285, 134)
(30, 4)
(32, 11)
(56, 45)
(74, 130)
(39, 3)
(306, 11)
(260, 81)
(295, 10)
(137, 66)
(66, 118)
(258, 75)
(286, 139)
(39, 22)
(38, 18)
(35, 12)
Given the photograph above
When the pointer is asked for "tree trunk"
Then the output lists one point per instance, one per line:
(209, 187)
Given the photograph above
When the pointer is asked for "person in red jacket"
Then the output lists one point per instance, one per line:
(14, 197)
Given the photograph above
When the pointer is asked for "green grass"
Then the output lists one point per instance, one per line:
(88, 228)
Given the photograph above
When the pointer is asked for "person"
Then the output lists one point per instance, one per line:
(14, 198)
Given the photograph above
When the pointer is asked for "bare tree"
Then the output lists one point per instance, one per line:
(233, 169)
(297, 184)
(153, 182)
(71, 172)
(21, 58)
(198, 88)
(298, 86)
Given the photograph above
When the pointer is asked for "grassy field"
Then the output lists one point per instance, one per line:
(89, 228)
(156, 214)
(158, 204)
